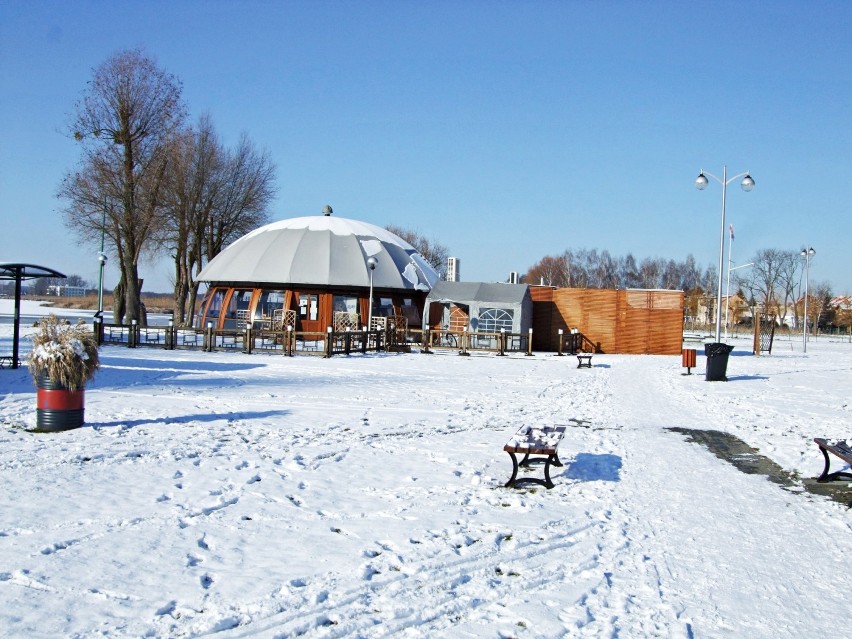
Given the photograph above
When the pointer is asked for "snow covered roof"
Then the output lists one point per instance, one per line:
(321, 250)
(495, 293)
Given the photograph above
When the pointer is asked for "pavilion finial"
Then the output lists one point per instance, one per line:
(326, 210)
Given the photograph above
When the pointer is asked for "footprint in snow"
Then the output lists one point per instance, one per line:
(206, 581)
(254, 480)
(370, 572)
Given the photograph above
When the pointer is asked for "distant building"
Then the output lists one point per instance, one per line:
(313, 272)
(453, 269)
(66, 291)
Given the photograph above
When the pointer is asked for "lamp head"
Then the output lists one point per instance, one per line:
(701, 181)
(808, 252)
(372, 262)
(747, 183)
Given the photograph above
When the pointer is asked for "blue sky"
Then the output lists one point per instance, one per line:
(505, 130)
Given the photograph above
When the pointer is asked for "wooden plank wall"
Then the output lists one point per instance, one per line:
(611, 321)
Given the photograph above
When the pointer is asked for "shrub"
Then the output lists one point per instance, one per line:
(66, 353)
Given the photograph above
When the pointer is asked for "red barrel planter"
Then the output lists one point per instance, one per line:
(58, 408)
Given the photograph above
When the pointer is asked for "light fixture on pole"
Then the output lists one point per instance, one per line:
(371, 264)
(807, 253)
(701, 183)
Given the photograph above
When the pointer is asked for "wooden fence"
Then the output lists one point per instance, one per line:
(611, 321)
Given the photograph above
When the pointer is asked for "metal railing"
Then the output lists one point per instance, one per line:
(329, 343)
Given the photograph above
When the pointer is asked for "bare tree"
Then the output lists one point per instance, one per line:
(651, 273)
(195, 160)
(628, 272)
(550, 271)
(819, 304)
(769, 280)
(213, 197)
(129, 111)
(246, 187)
(432, 251)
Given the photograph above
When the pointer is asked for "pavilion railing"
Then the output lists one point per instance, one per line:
(393, 338)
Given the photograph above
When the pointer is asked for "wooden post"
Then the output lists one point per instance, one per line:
(529, 344)
(328, 342)
(559, 347)
(463, 338)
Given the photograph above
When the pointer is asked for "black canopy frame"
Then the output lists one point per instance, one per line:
(18, 273)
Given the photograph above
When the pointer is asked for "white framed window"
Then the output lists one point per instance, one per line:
(491, 320)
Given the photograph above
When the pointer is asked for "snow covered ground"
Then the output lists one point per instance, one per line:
(233, 495)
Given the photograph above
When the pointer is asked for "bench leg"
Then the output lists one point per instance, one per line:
(827, 476)
(511, 481)
(552, 460)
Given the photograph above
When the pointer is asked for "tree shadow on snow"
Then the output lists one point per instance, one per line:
(194, 365)
(188, 419)
(591, 467)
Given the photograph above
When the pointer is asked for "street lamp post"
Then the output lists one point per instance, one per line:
(807, 253)
(371, 263)
(102, 259)
(701, 183)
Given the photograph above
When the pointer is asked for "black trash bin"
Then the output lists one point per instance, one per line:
(717, 361)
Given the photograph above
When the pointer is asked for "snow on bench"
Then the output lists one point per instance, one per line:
(534, 440)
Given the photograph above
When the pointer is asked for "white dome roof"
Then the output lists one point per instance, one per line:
(321, 250)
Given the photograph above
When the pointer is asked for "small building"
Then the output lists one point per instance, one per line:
(66, 291)
(478, 307)
(315, 272)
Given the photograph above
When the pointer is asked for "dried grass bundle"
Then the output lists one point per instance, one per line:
(67, 353)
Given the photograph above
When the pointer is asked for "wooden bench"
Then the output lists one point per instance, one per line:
(841, 450)
(534, 440)
(584, 360)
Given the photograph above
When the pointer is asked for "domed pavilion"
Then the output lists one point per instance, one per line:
(309, 273)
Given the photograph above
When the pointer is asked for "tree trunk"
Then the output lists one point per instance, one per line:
(118, 304)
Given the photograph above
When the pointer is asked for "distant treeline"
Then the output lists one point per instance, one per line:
(593, 269)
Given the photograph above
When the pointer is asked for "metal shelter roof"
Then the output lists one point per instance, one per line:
(19, 272)
(10, 271)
